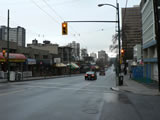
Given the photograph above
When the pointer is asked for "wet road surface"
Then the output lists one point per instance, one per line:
(73, 98)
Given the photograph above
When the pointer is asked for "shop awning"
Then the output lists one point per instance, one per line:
(73, 66)
(2, 59)
(15, 57)
(60, 65)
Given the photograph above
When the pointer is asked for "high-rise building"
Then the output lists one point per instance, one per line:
(65, 54)
(94, 55)
(131, 30)
(84, 52)
(149, 40)
(17, 35)
(75, 50)
(103, 56)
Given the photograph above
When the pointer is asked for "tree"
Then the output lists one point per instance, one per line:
(114, 47)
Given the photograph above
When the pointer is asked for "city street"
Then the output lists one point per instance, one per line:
(73, 98)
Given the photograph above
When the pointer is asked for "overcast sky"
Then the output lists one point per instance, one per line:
(42, 20)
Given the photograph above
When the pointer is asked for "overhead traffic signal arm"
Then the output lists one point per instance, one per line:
(64, 28)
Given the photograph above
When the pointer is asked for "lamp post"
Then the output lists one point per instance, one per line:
(119, 42)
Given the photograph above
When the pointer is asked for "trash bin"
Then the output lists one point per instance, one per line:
(120, 80)
(18, 76)
(12, 76)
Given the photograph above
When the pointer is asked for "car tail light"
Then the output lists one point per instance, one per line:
(92, 75)
(86, 75)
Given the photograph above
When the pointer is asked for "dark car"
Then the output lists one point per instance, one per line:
(102, 72)
(90, 75)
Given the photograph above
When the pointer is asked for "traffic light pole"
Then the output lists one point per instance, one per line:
(119, 42)
(119, 35)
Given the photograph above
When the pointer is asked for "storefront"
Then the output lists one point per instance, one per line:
(31, 65)
(16, 61)
(44, 67)
(74, 68)
(2, 60)
(61, 68)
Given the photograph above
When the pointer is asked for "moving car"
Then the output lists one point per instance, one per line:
(102, 72)
(90, 75)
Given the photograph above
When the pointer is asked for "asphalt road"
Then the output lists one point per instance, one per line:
(73, 98)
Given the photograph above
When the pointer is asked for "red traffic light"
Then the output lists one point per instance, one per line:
(64, 28)
(122, 51)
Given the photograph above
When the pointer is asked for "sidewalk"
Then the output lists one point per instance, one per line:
(136, 87)
(40, 78)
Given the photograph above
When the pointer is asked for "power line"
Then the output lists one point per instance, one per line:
(45, 12)
(51, 7)
(48, 13)
(57, 15)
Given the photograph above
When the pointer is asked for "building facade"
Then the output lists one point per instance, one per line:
(52, 48)
(94, 55)
(131, 30)
(17, 35)
(84, 53)
(75, 50)
(149, 40)
(65, 54)
(102, 56)
(137, 53)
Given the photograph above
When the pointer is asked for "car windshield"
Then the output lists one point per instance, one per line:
(90, 73)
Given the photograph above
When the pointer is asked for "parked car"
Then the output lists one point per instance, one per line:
(102, 72)
(90, 75)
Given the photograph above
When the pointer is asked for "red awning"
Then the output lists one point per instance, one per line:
(2, 59)
(15, 57)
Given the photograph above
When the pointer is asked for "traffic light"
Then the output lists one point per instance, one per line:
(122, 52)
(64, 28)
(4, 52)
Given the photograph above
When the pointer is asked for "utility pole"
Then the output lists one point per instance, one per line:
(119, 42)
(157, 30)
(70, 61)
(8, 63)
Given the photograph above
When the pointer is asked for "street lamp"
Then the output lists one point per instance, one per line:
(119, 42)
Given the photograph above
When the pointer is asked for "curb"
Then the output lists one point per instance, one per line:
(122, 90)
(41, 78)
(115, 89)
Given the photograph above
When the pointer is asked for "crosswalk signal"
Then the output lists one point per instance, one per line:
(4, 52)
(64, 28)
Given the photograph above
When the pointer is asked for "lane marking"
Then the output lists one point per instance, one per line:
(76, 89)
(12, 92)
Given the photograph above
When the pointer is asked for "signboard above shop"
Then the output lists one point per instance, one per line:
(31, 61)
